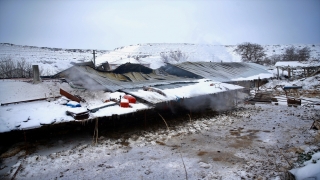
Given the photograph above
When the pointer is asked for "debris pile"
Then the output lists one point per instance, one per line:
(263, 97)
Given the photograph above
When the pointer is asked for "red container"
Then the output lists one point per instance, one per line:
(130, 98)
(124, 103)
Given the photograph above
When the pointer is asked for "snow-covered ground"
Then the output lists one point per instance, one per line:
(50, 60)
(259, 141)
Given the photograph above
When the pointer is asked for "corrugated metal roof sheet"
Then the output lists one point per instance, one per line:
(113, 82)
(222, 72)
(176, 91)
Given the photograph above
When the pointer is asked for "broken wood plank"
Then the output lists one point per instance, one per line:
(78, 116)
(31, 100)
(293, 101)
(69, 96)
(104, 105)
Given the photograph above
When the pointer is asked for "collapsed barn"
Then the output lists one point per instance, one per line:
(186, 87)
(132, 78)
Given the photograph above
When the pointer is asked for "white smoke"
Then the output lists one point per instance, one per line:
(214, 50)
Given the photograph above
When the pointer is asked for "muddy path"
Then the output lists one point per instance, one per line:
(255, 142)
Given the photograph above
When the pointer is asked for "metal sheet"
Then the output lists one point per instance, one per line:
(222, 72)
(114, 82)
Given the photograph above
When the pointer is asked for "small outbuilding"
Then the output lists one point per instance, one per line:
(309, 68)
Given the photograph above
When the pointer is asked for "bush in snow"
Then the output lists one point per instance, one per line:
(173, 56)
(271, 60)
(10, 68)
(295, 54)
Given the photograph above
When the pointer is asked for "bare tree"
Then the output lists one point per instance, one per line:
(290, 54)
(251, 52)
(294, 54)
(304, 54)
(6, 67)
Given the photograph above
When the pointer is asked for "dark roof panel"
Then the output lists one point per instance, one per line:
(222, 72)
(113, 82)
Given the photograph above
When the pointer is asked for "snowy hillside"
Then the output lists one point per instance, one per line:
(50, 60)
(195, 52)
(53, 60)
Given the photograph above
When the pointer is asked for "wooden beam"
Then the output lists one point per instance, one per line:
(69, 96)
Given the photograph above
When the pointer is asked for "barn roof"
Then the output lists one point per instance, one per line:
(136, 76)
(218, 71)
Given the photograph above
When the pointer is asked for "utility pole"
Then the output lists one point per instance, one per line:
(94, 58)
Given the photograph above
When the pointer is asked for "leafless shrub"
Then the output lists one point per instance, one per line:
(304, 54)
(271, 60)
(173, 56)
(295, 54)
(10, 68)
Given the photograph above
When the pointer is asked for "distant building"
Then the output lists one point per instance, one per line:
(309, 68)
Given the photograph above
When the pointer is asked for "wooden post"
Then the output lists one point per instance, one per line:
(94, 58)
(292, 72)
(145, 119)
(289, 72)
(36, 74)
(277, 72)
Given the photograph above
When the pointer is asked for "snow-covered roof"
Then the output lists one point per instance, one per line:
(221, 71)
(296, 64)
(182, 90)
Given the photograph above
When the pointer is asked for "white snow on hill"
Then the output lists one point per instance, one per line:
(50, 60)
(150, 52)
(53, 60)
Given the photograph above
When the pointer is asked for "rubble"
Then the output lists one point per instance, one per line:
(315, 125)
(263, 97)
(78, 113)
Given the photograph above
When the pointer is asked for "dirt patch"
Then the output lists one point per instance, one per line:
(20, 147)
(317, 137)
(161, 143)
(295, 150)
(222, 157)
(243, 138)
(201, 153)
(235, 132)
(124, 143)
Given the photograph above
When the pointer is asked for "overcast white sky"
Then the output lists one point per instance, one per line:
(102, 24)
